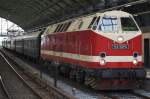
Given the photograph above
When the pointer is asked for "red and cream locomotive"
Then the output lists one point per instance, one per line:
(102, 50)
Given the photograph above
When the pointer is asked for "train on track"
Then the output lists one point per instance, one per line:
(101, 50)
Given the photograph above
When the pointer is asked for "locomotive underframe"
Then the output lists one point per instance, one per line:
(104, 79)
(116, 79)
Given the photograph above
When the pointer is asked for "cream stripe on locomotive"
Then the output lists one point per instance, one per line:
(88, 58)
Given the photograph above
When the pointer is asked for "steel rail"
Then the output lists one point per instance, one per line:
(49, 86)
(4, 88)
(19, 76)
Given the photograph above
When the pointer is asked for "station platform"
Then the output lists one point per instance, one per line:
(147, 73)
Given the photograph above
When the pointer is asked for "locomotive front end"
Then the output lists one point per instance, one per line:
(119, 46)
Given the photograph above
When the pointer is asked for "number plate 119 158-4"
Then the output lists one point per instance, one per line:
(120, 46)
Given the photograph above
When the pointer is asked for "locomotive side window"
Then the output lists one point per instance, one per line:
(109, 24)
(128, 24)
(67, 26)
(80, 25)
(93, 20)
(61, 28)
(96, 23)
(57, 28)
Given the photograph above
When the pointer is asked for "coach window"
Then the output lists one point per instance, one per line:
(108, 24)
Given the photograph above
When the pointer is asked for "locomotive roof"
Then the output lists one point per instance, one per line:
(33, 34)
(117, 13)
(84, 19)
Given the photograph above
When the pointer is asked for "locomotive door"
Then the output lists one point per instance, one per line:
(146, 53)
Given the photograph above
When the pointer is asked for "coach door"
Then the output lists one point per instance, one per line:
(146, 53)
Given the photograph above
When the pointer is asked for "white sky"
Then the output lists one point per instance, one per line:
(4, 25)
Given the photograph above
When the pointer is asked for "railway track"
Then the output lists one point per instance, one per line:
(13, 85)
(38, 87)
(90, 94)
(3, 90)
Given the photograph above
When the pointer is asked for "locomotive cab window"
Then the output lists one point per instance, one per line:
(128, 24)
(108, 24)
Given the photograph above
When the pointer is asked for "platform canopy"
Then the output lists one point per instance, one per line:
(34, 13)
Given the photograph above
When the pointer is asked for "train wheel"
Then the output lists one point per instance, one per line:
(41, 61)
(73, 74)
(140, 83)
(80, 76)
(64, 70)
(46, 64)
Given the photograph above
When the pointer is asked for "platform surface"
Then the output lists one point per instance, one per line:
(148, 72)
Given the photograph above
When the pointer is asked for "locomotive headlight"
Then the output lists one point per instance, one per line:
(135, 62)
(120, 39)
(102, 62)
